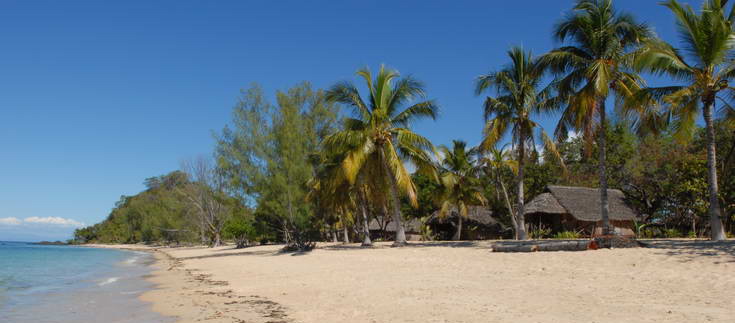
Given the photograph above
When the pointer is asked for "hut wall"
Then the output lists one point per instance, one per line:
(555, 222)
(623, 228)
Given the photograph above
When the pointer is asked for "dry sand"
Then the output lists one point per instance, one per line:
(676, 281)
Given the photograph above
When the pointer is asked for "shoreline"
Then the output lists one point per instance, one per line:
(672, 281)
(190, 295)
(42, 283)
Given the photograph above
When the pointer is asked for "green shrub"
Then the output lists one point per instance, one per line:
(241, 230)
(692, 235)
(672, 233)
(648, 234)
(539, 232)
(567, 235)
(426, 233)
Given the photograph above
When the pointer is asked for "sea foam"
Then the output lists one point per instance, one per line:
(108, 281)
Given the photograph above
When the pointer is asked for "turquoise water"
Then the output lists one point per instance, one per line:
(72, 284)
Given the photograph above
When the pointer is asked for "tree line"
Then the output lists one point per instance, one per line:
(320, 164)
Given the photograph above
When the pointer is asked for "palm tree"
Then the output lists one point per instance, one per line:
(458, 173)
(707, 68)
(495, 162)
(378, 140)
(518, 97)
(594, 65)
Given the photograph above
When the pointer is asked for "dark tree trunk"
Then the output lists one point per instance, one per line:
(601, 142)
(217, 241)
(716, 228)
(520, 218)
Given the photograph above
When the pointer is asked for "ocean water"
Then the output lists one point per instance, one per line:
(64, 284)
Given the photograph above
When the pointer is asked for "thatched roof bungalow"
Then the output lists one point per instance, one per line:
(564, 208)
(385, 228)
(479, 224)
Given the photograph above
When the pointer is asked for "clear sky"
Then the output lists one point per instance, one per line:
(95, 96)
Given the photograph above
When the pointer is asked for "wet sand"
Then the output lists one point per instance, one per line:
(674, 281)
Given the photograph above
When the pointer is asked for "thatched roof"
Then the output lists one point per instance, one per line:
(479, 214)
(544, 203)
(580, 202)
(413, 225)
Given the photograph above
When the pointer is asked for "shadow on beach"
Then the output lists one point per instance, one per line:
(410, 244)
(245, 252)
(688, 250)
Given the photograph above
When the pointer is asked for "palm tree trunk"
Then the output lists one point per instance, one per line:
(715, 218)
(601, 142)
(345, 233)
(510, 209)
(395, 208)
(362, 200)
(458, 233)
(520, 221)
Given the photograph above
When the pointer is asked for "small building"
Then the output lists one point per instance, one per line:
(565, 208)
(385, 228)
(479, 225)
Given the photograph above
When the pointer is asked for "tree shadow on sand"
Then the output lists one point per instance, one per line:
(413, 244)
(232, 254)
(689, 250)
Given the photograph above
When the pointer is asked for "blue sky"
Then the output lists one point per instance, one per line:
(95, 96)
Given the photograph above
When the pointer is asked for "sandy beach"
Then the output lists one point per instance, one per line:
(675, 281)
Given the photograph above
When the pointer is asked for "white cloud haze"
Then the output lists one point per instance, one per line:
(49, 220)
(10, 221)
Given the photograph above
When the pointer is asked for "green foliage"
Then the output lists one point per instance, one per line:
(539, 232)
(427, 189)
(268, 158)
(672, 233)
(426, 233)
(241, 230)
(159, 213)
(567, 235)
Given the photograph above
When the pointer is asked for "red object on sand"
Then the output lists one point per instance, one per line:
(592, 245)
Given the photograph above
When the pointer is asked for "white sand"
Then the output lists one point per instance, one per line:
(679, 281)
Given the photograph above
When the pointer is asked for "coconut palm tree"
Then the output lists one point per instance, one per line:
(706, 67)
(459, 175)
(495, 162)
(594, 65)
(378, 140)
(518, 97)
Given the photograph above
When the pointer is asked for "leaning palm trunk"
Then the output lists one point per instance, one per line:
(510, 209)
(395, 208)
(519, 216)
(717, 230)
(458, 233)
(602, 141)
(400, 239)
(395, 204)
(366, 242)
(345, 232)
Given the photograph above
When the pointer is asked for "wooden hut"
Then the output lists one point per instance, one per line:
(564, 208)
(384, 228)
(479, 224)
